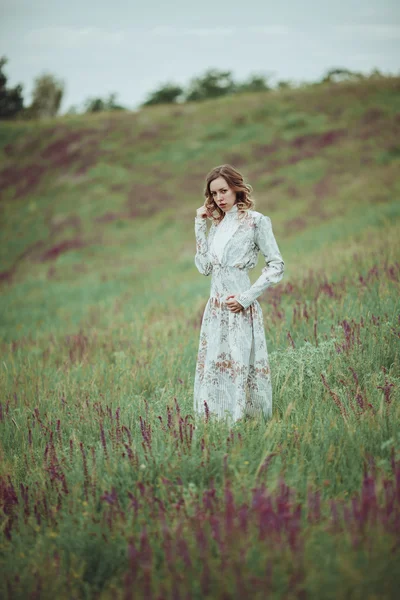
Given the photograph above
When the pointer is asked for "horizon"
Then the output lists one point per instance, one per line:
(79, 44)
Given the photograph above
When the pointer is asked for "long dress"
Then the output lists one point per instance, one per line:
(232, 375)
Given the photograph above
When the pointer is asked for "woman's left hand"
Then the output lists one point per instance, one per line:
(233, 304)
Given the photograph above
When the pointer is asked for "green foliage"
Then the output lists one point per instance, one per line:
(98, 104)
(167, 93)
(254, 83)
(11, 100)
(339, 74)
(212, 84)
(47, 96)
(284, 84)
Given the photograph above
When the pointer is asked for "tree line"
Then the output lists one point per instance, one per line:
(48, 91)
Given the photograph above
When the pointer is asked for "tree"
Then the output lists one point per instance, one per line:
(255, 83)
(338, 74)
(46, 97)
(11, 100)
(212, 84)
(375, 74)
(167, 93)
(98, 104)
(284, 84)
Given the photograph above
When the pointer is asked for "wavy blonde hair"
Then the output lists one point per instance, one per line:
(235, 181)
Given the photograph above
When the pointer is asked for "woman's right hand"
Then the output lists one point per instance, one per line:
(203, 212)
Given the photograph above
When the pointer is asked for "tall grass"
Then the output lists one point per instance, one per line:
(109, 486)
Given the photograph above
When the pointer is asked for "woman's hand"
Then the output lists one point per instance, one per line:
(203, 212)
(233, 304)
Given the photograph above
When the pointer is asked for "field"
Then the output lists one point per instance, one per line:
(109, 487)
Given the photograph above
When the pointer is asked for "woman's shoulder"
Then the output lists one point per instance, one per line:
(257, 216)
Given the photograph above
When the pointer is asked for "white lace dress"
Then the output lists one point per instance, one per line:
(232, 372)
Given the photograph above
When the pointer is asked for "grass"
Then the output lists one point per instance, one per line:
(108, 485)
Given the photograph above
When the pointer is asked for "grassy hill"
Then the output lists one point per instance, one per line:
(87, 195)
(101, 306)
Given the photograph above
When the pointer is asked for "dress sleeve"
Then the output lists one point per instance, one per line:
(201, 259)
(274, 265)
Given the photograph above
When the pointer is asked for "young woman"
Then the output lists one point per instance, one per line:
(232, 372)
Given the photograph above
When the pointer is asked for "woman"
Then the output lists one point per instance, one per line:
(232, 377)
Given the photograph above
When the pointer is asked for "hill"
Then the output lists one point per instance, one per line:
(106, 486)
(78, 189)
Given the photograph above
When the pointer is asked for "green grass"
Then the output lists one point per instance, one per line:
(101, 341)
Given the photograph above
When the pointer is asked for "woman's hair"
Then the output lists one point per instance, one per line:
(235, 181)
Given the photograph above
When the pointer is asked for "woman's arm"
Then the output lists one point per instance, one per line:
(202, 260)
(273, 271)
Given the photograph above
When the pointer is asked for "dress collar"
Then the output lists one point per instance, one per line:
(232, 211)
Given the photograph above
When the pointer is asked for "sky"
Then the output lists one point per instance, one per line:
(131, 48)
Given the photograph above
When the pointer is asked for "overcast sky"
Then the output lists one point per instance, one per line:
(130, 47)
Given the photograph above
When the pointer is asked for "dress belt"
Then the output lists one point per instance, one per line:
(219, 266)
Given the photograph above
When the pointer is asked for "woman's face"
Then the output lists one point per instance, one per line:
(222, 194)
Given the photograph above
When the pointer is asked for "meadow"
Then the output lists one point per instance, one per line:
(109, 485)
